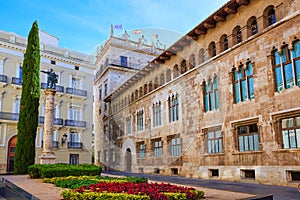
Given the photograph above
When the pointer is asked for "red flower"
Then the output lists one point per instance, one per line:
(153, 190)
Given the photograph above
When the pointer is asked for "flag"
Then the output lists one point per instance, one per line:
(155, 36)
(118, 27)
(137, 32)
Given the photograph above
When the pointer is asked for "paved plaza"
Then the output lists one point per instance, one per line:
(214, 190)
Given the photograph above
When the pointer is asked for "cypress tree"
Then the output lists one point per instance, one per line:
(28, 118)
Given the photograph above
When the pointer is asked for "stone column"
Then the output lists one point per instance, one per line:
(48, 156)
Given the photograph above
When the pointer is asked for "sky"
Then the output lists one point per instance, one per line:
(82, 25)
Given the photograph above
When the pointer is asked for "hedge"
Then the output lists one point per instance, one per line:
(62, 170)
(69, 195)
(74, 182)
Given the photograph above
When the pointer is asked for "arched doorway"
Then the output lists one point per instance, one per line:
(11, 153)
(128, 160)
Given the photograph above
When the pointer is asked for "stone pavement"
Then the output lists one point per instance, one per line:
(278, 192)
(214, 190)
(32, 189)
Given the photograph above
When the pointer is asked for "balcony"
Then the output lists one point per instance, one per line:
(3, 80)
(74, 123)
(17, 82)
(56, 121)
(74, 145)
(58, 88)
(77, 92)
(111, 62)
(9, 116)
(55, 144)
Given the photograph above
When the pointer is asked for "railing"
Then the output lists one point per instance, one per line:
(54, 144)
(76, 91)
(3, 78)
(58, 88)
(9, 116)
(16, 81)
(56, 121)
(116, 63)
(69, 122)
(74, 145)
(41, 119)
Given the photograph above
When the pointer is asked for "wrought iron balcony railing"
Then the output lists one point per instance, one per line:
(3, 78)
(41, 119)
(58, 88)
(76, 91)
(9, 116)
(74, 145)
(16, 81)
(56, 121)
(55, 144)
(75, 123)
(116, 63)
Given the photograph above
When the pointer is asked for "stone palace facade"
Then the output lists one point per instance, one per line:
(223, 102)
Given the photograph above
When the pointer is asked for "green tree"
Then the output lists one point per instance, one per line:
(28, 119)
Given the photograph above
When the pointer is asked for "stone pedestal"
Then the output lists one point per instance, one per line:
(48, 156)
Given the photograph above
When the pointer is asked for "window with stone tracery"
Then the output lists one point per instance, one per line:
(156, 114)
(286, 66)
(140, 120)
(211, 93)
(243, 82)
(128, 125)
(173, 108)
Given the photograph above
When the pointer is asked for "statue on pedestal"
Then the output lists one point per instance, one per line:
(51, 78)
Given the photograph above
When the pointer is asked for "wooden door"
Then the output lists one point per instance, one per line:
(11, 153)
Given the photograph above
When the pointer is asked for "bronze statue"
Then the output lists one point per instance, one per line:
(51, 78)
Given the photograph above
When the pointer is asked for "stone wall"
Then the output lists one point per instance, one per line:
(270, 163)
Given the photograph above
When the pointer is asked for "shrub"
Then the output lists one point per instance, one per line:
(74, 182)
(62, 170)
(68, 195)
(136, 179)
(175, 196)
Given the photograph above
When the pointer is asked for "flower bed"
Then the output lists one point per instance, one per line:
(74, 182)
(155, 191)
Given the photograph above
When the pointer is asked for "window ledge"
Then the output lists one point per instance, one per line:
(214, 154)
(157, 127)
(297, 150)
(212, 111)
(287, 90)
(245, 101)
(246, 152)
